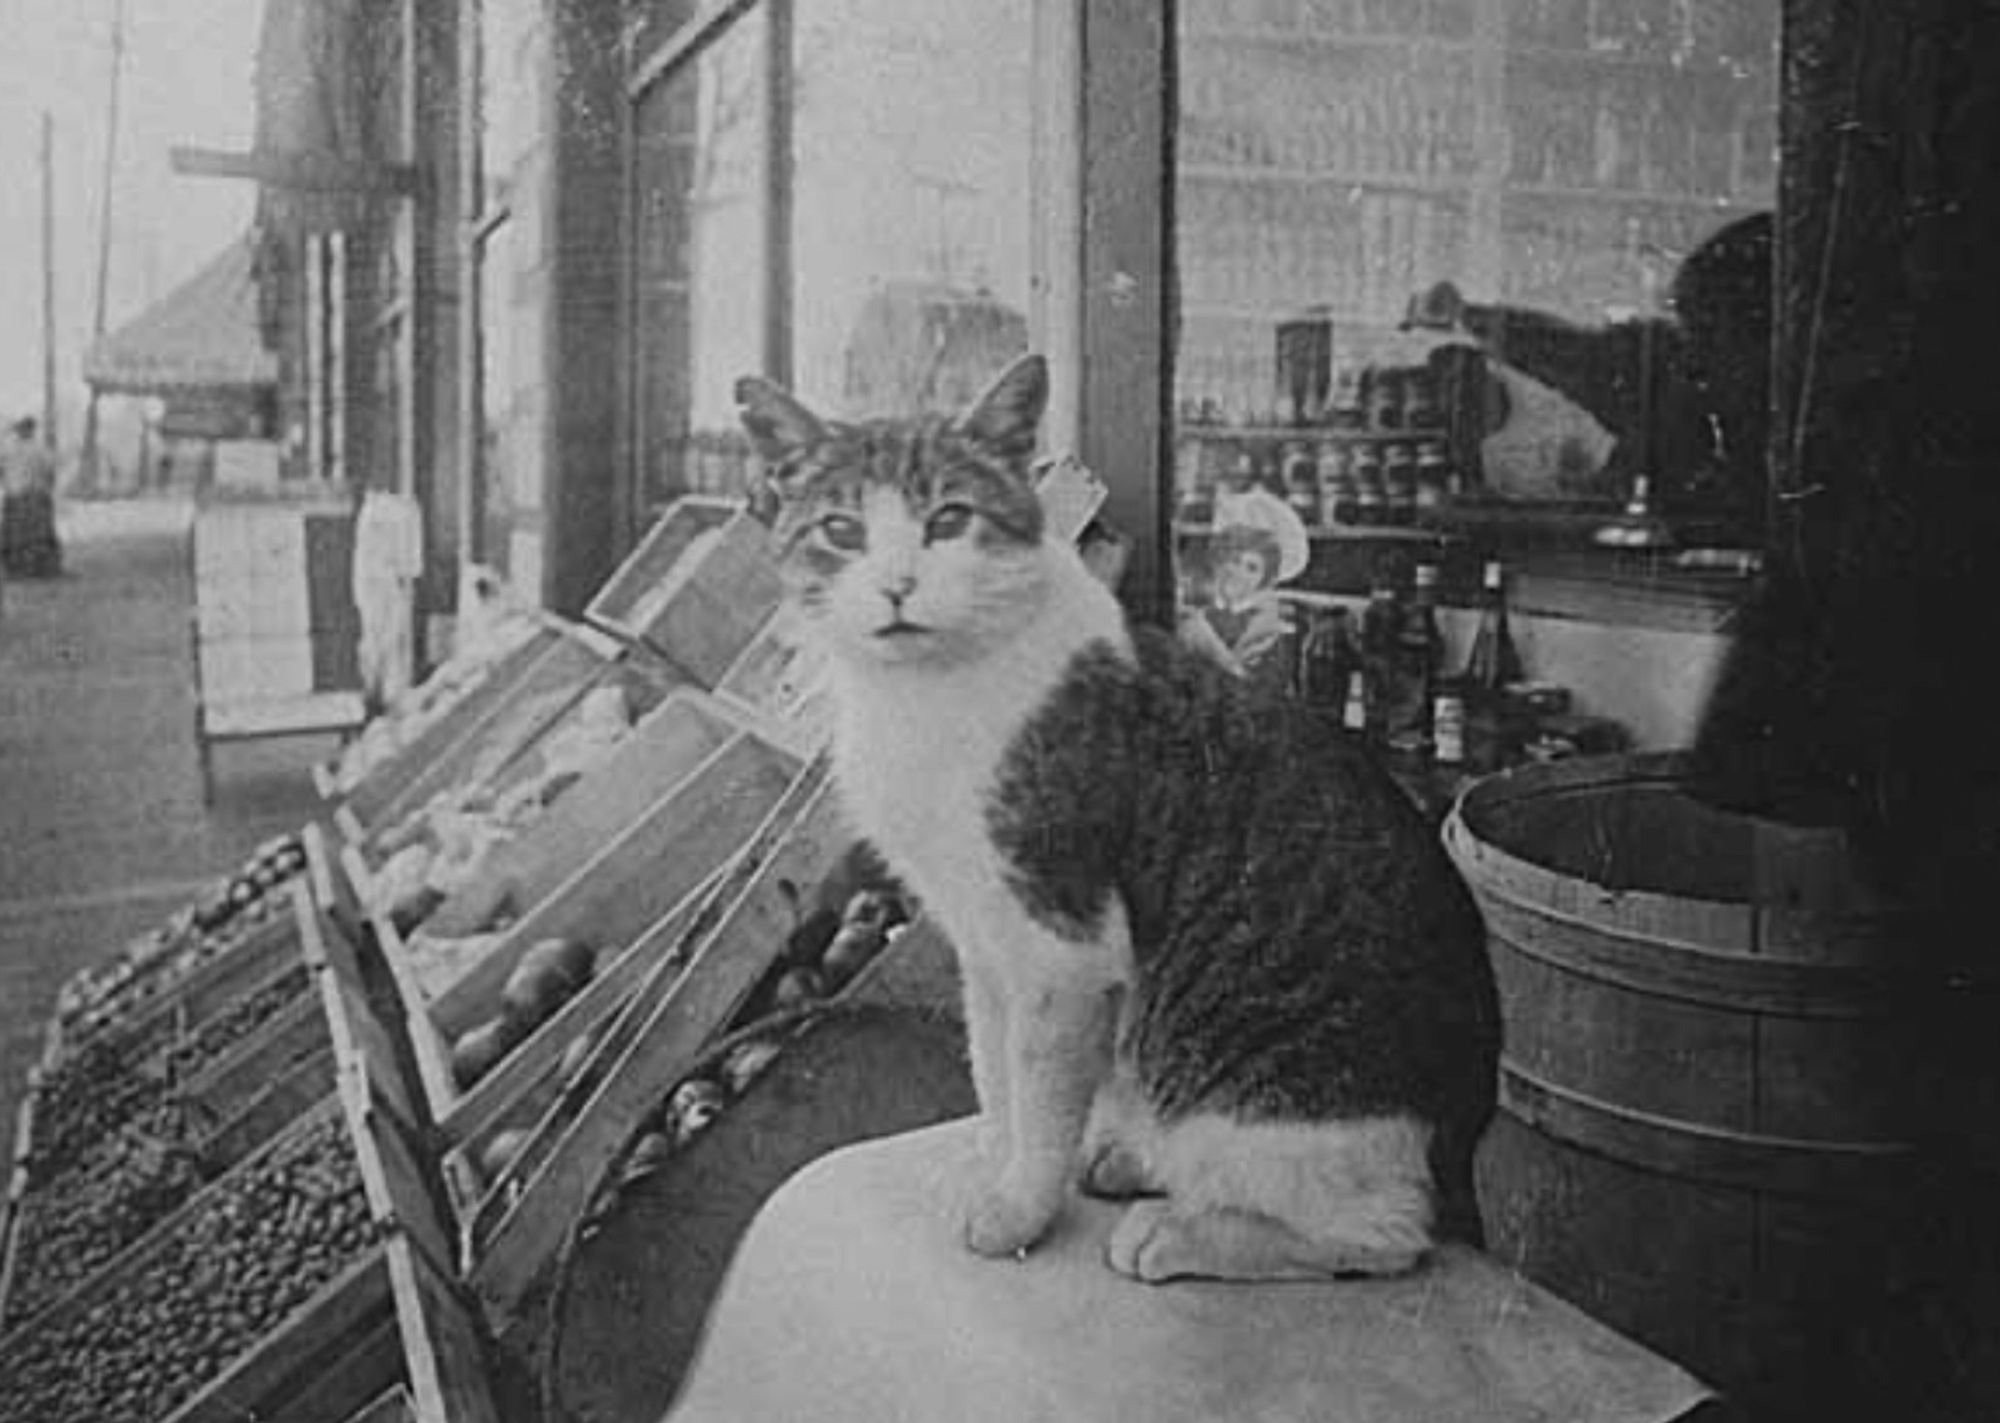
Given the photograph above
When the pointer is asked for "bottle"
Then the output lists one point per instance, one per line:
(1379, 624)
(1354, 711)
(1326, 659)
(1418, 653)
(1302, 484)
(1493, 662)
(1448, 729)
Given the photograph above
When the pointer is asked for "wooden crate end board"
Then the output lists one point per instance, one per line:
(442, 1344)
(430, 1050)
(398, 1191)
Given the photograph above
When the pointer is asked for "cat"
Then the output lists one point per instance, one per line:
(1214, 962)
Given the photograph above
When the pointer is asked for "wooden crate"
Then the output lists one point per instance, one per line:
(609, 902)
(667, 746)
(388, 1316)
(696, 590)
(521, 1220)
(566, 668)
(252, 1091)
(372, 794)
(187, 983)
(778, 681)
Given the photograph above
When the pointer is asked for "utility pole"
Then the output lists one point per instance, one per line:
(48, 280)
(104, 229)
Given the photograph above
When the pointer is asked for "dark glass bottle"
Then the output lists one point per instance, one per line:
(1327, 657)
(1380, 623)
(1419, 653)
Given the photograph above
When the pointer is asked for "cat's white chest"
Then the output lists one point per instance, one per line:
(917, 779)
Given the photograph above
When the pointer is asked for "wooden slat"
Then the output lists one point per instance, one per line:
(398, 1187)
(393, 1406)
(442, 1344)
(293, 1034)
(346, 1381)
(428, 1050)
(729, 962)
(274, 1107)
(501, 1092)
(384, 782)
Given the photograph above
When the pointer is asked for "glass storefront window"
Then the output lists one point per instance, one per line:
(1475, 264)
(912, 200)
(701, 207)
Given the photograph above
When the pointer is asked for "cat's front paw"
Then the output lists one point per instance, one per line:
(1005, 1219)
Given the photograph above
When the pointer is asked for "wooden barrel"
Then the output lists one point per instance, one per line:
(1706, 1126)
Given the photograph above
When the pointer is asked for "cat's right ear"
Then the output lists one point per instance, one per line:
(779, 427)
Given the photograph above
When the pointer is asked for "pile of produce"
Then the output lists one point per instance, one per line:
(115, 1192)
(441, 846)
(431, 700)
(254, 1249)
(115, 1147)
(822, 957)
(101, 997)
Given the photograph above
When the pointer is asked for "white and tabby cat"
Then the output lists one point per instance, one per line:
(1213, 960)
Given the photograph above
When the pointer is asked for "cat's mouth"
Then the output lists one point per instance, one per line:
(899, 628)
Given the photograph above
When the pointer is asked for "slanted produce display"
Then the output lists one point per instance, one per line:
(104, 995)
(303, 1150)
(310, 1269)
(116, 1137)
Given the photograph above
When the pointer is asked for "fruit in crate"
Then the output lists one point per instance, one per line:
(693, 1105)
(849, 953)
(742, 1064)
(113, 1194)
(550, 972)
(259, 1246)
(478, 1050)
(499, 1152)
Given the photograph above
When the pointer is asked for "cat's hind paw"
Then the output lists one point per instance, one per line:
(1115, 1173)
(1154, 1242)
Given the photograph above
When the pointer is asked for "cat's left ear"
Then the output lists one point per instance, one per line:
(777, 424)
(1006, 417)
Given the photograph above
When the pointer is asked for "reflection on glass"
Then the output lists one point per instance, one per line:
(1443, 260)
(912, 200)
(700, 263)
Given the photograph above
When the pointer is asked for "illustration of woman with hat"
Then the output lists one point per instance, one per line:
(1259, 543)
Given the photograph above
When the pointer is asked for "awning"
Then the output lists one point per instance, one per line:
(201, 336)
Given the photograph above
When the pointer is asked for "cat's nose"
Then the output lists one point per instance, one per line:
(898, 588)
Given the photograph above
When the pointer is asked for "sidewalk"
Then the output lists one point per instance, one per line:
(102, 829)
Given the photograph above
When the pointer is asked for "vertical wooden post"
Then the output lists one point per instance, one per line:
(1129, 106)
(49, 412)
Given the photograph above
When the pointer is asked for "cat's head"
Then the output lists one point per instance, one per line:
(907, 541)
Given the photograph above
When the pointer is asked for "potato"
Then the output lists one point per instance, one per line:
(478, 1050)
(501, 1151)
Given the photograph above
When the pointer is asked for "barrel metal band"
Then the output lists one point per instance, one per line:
(1716, 1155)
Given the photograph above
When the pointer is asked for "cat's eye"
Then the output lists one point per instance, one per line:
(947, 522)
(844, 532)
